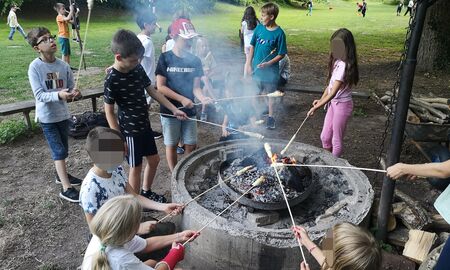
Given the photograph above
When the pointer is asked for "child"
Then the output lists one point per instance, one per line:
(63, 29)
(237, 113)
(125, 85)
(115, 241)
(178, 76)
(399, 8)
(209, 69)
(285, 72)
(248, 25)
(310, 8)
(409, 8)
(359, 8)
(364, 8)
(13, 23)
(147, 23)
(268, 47)
(76, 24)
(342, 76)
(345, 246)
(52, 83)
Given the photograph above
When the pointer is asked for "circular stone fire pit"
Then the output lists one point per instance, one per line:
(245, 238)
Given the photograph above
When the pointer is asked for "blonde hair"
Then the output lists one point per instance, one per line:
(354, 249)
(115, 224)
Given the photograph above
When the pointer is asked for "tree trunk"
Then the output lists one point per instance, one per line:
(434, 49)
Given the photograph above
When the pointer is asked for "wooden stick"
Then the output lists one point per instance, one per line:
(248, 133)
(293, 137)
(262, 61)
(90, 6)
(328, 166)
(228, 98)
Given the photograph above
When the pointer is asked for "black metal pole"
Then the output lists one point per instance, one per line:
(401, 110)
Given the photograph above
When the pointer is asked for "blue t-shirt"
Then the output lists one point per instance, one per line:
(264, 41)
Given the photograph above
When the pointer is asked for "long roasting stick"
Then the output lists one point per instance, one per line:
(262, 61)
(248, 133)
(90, 6)
(238, 173)
(258, 182)
(269, 153)
(328, 166)
(293, 137)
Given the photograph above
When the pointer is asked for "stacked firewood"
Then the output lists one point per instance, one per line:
(424, 109)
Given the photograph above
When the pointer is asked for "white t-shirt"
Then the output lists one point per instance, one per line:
(170, 44)
(148, 59)
(12, 19)
(248, 34)
(410, 3)
(119, 258)
(96, 191)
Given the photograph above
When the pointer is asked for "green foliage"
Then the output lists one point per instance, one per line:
(12, 129)
(191, 6)
(359, 112)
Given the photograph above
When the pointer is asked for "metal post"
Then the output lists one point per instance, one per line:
(401, 110)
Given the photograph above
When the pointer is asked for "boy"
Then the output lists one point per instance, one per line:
(13, 23)
(63, 29)
(76, 23)
(267, 48)
(147, 23)
(52, 83)
(126, 85)
(178, 78)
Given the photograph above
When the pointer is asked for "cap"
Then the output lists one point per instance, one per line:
(183, 28)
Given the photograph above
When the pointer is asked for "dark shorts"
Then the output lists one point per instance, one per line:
(282, 82)
(65, 45)
(140, 146)
(57, 136)
(266, 87)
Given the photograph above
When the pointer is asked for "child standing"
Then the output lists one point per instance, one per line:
(248, 25)
(114, 242)
(345, 246)
(268, 47)
(52, 83)
(63, 29)
(310, 8)
(147, 23)
(76, 24)
(178, 75)
(125, 85)
(342, 76)
(399, 8)
(13, 23)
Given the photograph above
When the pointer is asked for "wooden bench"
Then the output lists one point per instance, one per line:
(27, 106)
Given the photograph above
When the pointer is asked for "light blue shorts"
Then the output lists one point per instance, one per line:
(175, 130)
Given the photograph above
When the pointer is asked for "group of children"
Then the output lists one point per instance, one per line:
(114, 217)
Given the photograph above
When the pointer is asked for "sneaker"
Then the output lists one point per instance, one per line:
(157, 135)
(153, 196)
(180, 150)
(72, 179)
(73, 68)
(71, 195)
(204, 116)
(270, 123)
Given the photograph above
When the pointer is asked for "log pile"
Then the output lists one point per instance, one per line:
(424, 110)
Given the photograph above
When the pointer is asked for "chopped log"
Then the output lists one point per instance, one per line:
(442, 107)
(412, 117)
(417, 108)
(439, 223)
(428, 106)
(418, 245)
(434, 100)
(398, 237)
(413, 216)
(385, 99)
(426, 117)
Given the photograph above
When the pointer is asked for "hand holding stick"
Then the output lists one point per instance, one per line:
(262, 61)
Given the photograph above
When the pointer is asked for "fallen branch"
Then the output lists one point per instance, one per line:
(428, 106)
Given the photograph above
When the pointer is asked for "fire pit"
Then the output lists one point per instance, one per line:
(253, 237)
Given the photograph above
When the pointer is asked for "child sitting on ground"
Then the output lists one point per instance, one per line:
(345, 246)
(52, 83)
(114, 240)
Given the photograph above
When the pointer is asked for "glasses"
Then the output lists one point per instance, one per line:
(47, 39)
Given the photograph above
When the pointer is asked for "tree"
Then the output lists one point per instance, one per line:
(434, 49)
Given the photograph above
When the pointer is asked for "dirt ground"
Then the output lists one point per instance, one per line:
(39, 230)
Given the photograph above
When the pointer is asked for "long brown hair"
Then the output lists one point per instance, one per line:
(351, 62)
(250, 18)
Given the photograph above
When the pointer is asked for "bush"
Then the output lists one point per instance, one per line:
(10, 130)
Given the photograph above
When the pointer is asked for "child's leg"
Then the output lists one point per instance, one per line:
(11, 33)
(150, 171)
(135, 161)
(342, 112)
(327, 129)
(172, 131)
(21, 31)
(60, 166)
(189, 135)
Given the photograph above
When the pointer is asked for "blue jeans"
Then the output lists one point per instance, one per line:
(57, 135)
(13, 30)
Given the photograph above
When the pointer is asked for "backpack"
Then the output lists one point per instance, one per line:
(81, 124)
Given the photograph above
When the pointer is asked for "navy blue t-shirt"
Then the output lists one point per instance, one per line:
(180, 73)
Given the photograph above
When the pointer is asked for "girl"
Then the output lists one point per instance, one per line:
(345, 246)
(248, 24)
(114, 242)
(337, 97)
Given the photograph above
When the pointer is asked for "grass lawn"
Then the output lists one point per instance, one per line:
(379, 37)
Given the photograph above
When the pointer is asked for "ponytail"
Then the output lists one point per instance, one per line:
(100, 260)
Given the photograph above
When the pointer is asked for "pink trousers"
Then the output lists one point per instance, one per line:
(334, 125)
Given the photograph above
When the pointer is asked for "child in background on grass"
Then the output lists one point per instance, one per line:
(248, 24)
(345, 246)
(125, 85)
(337, 97)
(268, 47)
(114, 242)
(13, 23)
(76, 24)
(209, 65)
(63, 29)
(52, 83)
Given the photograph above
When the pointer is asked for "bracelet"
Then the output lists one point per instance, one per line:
(312, 248)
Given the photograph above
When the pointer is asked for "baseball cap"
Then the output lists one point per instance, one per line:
(183, 28)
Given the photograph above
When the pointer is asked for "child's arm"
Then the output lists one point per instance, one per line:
(165, 102)
(161, 83)
(326, 97)
(69, 16)
(439, 170)
(88, 217)
(248, 63)
(313, 249)
(111, 116)
(274, 60)
(43, 96)
(168, 208)
(159, 242)
(198, 93)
